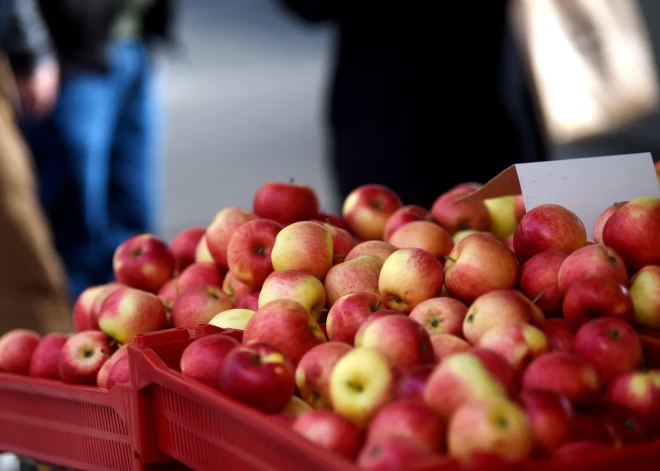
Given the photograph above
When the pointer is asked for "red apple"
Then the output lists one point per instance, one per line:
(333, 219)
(128, 312)
(347, 314)
(45, 361)
(16, 350)
(82, 310)
(423, 235)
(104, 372)
(342, 243)
(391, 453)
(221, 229)
(201, 359)
(367, 209)
(168, 292)
(95, 312)
(518, 344)
(375, 248)
(143, 262)
(559, 335)
(579, 450)
(592, 260)
(313, 372)
(198, 305)
(447, 344)
(440, 316)
(298, 286)
(403, 216)
(83, 355)
(184, 246)
(600, 223)
(456, 216)
(286, 203)
(249, 251)
(234, 288)
(637, 391)
(202, 273)
(303, 246)
(548, 227)
(539, 280)
(645, 294)
(551, 416)
(119, 373)
(371, 319)
(259, 375)
(499, 368)
(358, 274)
(330, 431)
(413, 382)
(249, 301)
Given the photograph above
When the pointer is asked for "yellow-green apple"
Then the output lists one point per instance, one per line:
(118, 373)
(45, 362)
(447, 344)
(590, 260)
(423, 235)
(493, 426)
(296, 407)
(359, 274)
(408, 277)
(184, 245)
(332, 219)
(82, 309)
(375, 248)
(369, 320)
(168, 292)
(296, 285)
(304, 246)
(402, 339)
(342, 243)
(258, 374)
(503, 221)
(413, 382)
(440, 316)
(104, 372)
(143, 262)
(347, 314)
(645, 293)
(16, 349)
(499, 368)
(499, 307)
(460, 235)
(95, 312)
(313, 372)
(202, 253)
(234, 288)
(459, 378)
(202, 358)
(232, 318)
(594, 297)
(456, 216)
(221, 229)
(519, 208)
(362, 382)
(249, 301)
(565, 374)
(331, 431)
(518, 343)
(287, 325)
(638, 391)
(633, 231)
(548, 227)
(551, 416)
(411, 419)
(83, 355)
(403, 216)
(602, 219)
(578, 450)
(611, 346)
(539, 280)
(391, 452)
(367, 209)
(249, 251)
(203, 273)
(128, 312)
(559, 335)
(478, 264)
(286, 203)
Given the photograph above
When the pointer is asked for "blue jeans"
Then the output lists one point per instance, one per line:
(97, 161)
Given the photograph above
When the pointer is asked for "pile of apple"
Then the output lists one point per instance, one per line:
(394, 333)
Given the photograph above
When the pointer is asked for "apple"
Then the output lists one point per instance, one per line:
(645, 294)
(391, 453)
(234, 288)
(519, 207)
(590, 260)
(559, 335)
(333, 219)
(359, 274)
(600, 223)
(331, 431)
(478, 264)
(403, 216)
(143, 262)
(249, 301)
(313, 372)
(551, 416)
(202, 273)
(408, 277)
(104, 372)
(296, 407)
(128, 312)
(249, 251)
(413, 382)
(16, 349)
(222, 228)
(411, 419)
(499, 368)
(202, 358)
(494, 426)
(611, 346)
(119, 373)
(440, 316)
(198, 305)
(447, 344)
(342, 243)
(637, 391)
(95, 312)
(375, 248)
(258, 374)
(285, 420)
(232, 319)
(83, 355)
(423, 235)
(539, 279)
(455, 216)
(595, 297)
(184, 245)
(562, 373)
(202, 253)
(460, 378)
(367, 209)
(82, 309)
(348, 312)
(287, 325)
(460, 235)
(168, 292)
(579, 450)
(362, 382)
(402, 339)
(519, 343)
(286, 203)
(548, 227)
(298, 286)
(304, 246)
(502, 216)
(45, 362)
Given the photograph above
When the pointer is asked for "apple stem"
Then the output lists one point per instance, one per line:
(447, 257)
(539, 296)
(105, 353)
(339, 256)
(616, 205)
(292, 180)
(325, 309)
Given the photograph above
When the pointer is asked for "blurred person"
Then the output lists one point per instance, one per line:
(32, 281)
(424, 96)
(98, 152)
